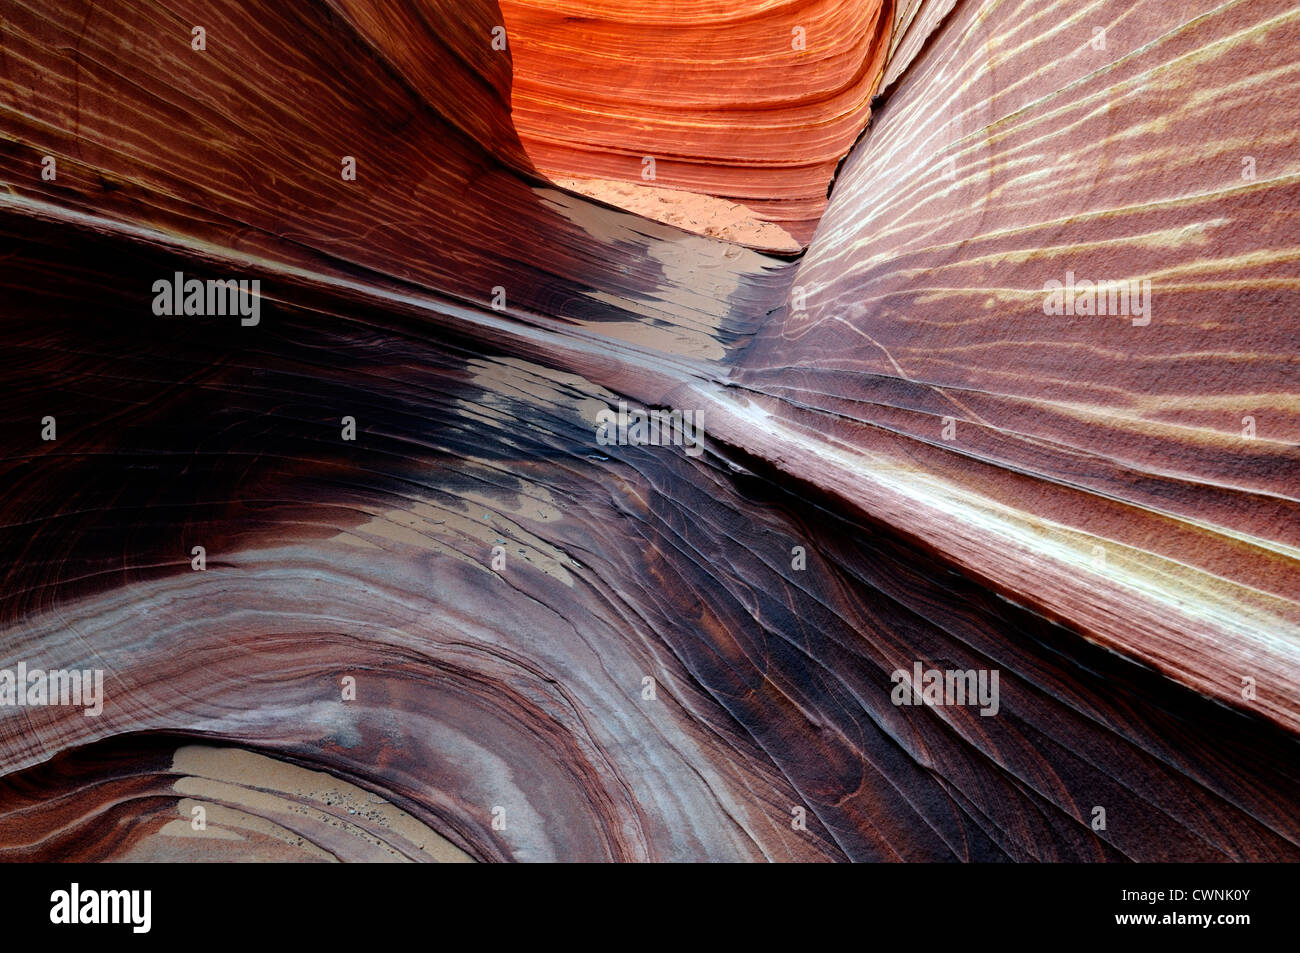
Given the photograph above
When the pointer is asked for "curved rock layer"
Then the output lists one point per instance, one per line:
(755, 103)
(467, 630)
(1147, 461)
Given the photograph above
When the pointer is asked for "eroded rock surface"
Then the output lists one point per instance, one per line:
(493, 637)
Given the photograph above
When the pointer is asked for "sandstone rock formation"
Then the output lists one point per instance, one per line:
(753, 102)
(464, 629)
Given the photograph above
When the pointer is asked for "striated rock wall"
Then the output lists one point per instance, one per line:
(466, 629)
(753, 102)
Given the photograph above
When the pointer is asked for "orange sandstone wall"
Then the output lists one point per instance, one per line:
(753, 102)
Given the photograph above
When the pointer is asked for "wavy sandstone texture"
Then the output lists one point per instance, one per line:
(1075, 502)
(755, 102)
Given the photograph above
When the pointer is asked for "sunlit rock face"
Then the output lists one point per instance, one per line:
(365, 583)
(753, 102)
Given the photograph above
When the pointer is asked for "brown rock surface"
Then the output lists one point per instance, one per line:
(1096, 527)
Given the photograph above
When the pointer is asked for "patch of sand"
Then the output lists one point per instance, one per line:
(244, 792)
(702, 214)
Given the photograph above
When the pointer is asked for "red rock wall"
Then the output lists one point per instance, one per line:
(727, 98)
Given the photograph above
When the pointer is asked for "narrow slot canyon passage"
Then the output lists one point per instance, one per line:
(919, 486)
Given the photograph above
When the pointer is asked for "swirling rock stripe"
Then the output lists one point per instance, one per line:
(728, 99)
(522, 687)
